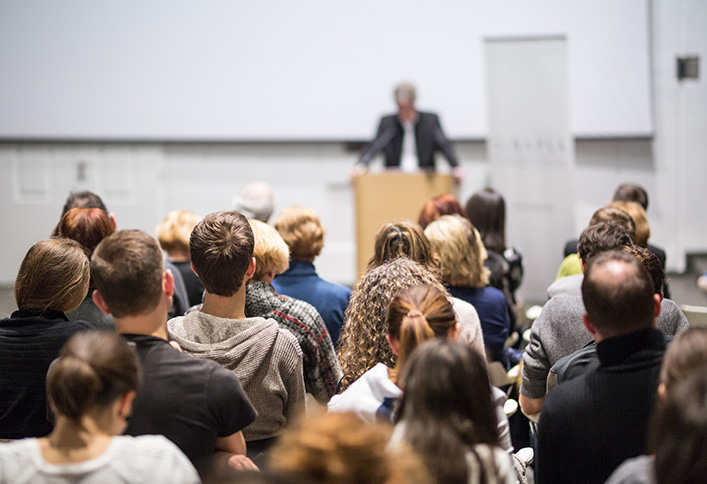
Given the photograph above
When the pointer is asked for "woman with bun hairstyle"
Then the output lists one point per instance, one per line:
(90, 388)
(447, 416)
(53, 279)
(415, 315)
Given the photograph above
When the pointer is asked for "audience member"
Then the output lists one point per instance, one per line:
(559, 332)
(462, 255)
(88, 226)
(321, 368)
(173, 235)
(591, 424)
(686, 356)
(415, 315)
(91, 388)
(195, 403)
(266, 359)
(302, 230)
(406, 239)
(438, 206)
(447, 415)
(86, 199)
(53, 279)
(486, 210)
(336, 448)
(630, 192)
(255, 201)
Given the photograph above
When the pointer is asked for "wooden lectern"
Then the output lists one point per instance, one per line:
(385, 197)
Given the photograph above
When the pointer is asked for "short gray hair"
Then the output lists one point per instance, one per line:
(405, 91)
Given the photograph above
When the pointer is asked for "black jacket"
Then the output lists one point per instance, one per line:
(428, 136)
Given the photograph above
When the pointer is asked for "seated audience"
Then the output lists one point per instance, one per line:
(447, 415)
(559, 331)
(321, 368)
(462, 255)
(266, 359)
(86, 199)
(255, 201)
(406, 239)
(336, 448)
(686, 356)
(195, 403)
(591, 424)
(53, 279)
(486, 210)
(91, 388)
(415, 315)
(302, 230)
(88, 226)
(173, 234)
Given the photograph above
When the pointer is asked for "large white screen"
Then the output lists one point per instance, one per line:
(298, 70)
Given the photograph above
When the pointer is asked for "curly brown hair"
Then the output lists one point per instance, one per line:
(363, 342)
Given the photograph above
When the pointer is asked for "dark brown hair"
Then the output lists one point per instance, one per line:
(221, 247)
(620, 302)
(600, 238)
(87, 226)
(651, 263)
(415, 315)
(93, 370)
(617, 216)
(629, 192)
(686, 354)
(127, 270)
(486, 210)
(54, 275)
(438, 206)
(403, 239)
(447, 409)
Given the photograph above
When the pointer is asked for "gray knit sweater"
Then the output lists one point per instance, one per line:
(266, 360)
(559, 331)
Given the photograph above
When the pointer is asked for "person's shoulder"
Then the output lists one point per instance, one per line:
(286, 343)
(150, 458)
(493, 294)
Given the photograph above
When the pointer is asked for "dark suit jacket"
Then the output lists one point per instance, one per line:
(428, 136)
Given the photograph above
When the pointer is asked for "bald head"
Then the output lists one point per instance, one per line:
(618, 294)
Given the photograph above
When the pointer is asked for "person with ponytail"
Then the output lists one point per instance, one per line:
(415, 315)
(90, 388)
(53, 279)
(447, 415)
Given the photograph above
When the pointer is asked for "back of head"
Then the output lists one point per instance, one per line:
(416, 315)
(363, 342)
(254, 201)
(302, 231)
(638, 215)
(651, 263)
(54, 275)
(221, 247)
(175, 229)
(402, 239)
(438, 206)
(679, 432)
(127, 270)
(686, 354)
(486, 210)
(629, 192)
(270, 251)
(83, 199)
(461, 252)
(338, 448)
(601, 237)
(87, 226)
(617, 216)
(447, 406)
(618, 294)
(93, 370)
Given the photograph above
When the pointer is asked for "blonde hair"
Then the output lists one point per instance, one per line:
(460, 250)
(302, 231)
(638, 214)
(175, 229)
(363, 342)
(270, 251)
(338, 448)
